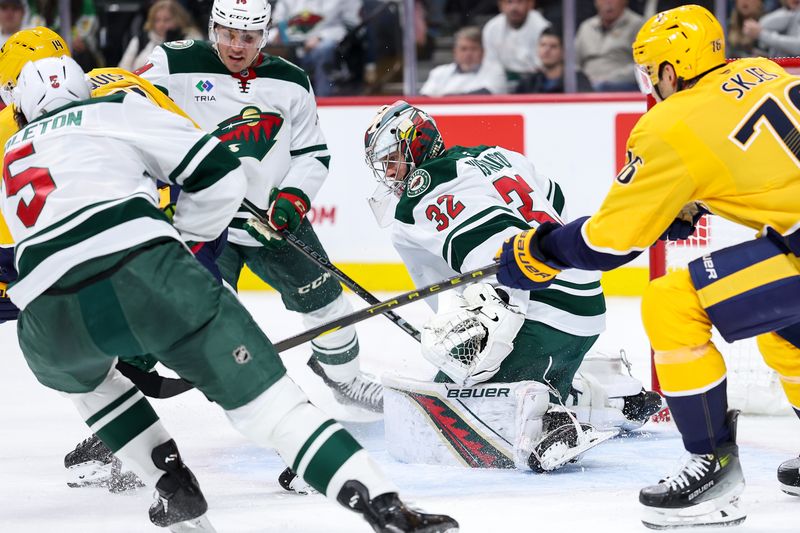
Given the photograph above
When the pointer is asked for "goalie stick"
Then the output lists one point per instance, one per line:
(386, 305)
(325, 263)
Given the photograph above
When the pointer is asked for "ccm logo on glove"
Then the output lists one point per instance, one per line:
(287, 208)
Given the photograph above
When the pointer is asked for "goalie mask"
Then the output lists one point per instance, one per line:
(400, 138)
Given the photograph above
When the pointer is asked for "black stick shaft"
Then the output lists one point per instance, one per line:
(325, 263)
(386, 305)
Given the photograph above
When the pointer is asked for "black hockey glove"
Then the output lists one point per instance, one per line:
(685, 223)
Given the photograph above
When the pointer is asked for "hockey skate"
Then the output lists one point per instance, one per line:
(362, 391)
(91, 464)
(388, 514)
(291, 482)
(180, 505)
(704, 491)
(564, 441)
(789, 476)
(639, 408)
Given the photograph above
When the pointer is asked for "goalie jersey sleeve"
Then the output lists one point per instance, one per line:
(458, 209)
(97, 162)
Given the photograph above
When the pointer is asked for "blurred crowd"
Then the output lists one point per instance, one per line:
(355, 47)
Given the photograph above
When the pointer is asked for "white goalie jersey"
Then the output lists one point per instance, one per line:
(457, 210)
(62, 214)
(266, 115)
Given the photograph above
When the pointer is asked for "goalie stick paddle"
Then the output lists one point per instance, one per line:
(384, 306)
(325, 263)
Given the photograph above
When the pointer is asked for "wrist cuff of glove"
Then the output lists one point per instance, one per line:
(536, 250)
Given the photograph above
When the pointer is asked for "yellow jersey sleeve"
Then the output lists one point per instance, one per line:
(8, 127)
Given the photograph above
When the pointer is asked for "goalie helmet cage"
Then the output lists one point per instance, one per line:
(752, 386)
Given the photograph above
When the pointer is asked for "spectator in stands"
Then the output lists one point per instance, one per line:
(737, 42)
(511, 37)
(651, 7)
(468, 73)
(12, 14)
(603, 46)
(778, 32)
(167, 20)
(549, 78)
(315, 28)
(85, 49)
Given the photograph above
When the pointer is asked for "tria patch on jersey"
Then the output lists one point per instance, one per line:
(418, 183)
(179, 45)
(250, 133)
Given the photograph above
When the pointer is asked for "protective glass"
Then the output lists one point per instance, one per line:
(250, 39)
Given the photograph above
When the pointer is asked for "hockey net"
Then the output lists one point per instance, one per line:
(752, 386)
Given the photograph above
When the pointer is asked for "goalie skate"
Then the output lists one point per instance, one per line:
(564, 441)
(704, 491)
(361, 391)
(291, 482)
(91, 464)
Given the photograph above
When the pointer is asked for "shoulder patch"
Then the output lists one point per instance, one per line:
(179, 45)
(418, 182)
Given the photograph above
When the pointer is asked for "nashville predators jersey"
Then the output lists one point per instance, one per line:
(104, 81)
(731, 142)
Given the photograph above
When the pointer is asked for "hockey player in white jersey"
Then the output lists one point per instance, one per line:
(103, 273)
(263, 109)
(451, 210)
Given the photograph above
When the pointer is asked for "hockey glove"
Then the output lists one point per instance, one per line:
(685, 223)
(8, 274)
(522, 263)
(287, 208)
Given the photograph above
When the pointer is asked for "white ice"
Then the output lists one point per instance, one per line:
(240, 480)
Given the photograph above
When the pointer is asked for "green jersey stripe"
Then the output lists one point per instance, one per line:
(110, 407)
(128, 425)
(213, 167)
(575, 305)
(558, 199)
(308, 150)
(578, 286)
(190, 155)
(471, 220)
(304, 448)
(99, 222)
(329, 458)
(467, 241)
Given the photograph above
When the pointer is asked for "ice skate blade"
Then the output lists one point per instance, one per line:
(703, 515)
(89, 474)
(201, 524)
(560, 454)
(790, 490)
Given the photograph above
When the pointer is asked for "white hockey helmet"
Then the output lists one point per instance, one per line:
(48, 84)
(244, 15)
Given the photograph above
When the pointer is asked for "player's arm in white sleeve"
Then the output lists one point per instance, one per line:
(156, 70)
(213, 183)
(309, 152)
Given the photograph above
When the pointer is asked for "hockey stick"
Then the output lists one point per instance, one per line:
(384, 306)
(323, 262)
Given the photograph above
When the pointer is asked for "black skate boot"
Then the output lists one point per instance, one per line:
(291, 482)
(179, 505)
(91, 464)
(704, 492)
(388, 514)
(563, 441)
(789, 476)
(639, 408)
(362, 391)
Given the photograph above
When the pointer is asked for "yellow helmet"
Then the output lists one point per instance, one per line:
(28, 45)
(689, 38)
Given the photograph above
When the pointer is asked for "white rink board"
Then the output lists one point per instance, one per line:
(573, 142)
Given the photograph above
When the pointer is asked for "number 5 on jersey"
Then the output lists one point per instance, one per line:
(38, 178)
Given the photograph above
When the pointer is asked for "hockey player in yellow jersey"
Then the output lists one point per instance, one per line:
(723, 138)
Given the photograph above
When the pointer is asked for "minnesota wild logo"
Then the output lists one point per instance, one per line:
(251, 133)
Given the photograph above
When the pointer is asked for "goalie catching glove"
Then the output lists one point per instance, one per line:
(470, 343)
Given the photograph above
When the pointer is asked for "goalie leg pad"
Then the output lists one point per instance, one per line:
(319, 449)
(482, 426)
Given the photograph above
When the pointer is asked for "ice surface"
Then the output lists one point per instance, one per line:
(240, 480)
